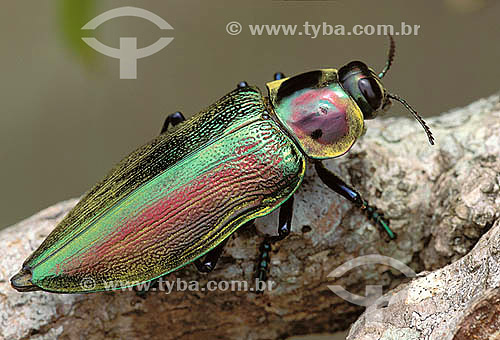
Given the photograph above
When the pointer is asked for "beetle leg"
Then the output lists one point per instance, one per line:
(210, 260)
(174, 119)
(264, 261)
(142, 291)
(284, 228)
(242, 84)
(278, 76)
(284, 221)
(340, 187)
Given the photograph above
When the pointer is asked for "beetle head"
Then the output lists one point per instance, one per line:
(366, 88)
(324, 110)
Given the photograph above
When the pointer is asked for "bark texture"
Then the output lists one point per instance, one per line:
(458, 302)
(441, 201)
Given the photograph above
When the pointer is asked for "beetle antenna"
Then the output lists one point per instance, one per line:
(415, 114)
(390, 58)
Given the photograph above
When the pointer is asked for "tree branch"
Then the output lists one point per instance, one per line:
(440, 201)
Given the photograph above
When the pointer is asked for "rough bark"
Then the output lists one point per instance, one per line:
(440, 201)
(458, 302)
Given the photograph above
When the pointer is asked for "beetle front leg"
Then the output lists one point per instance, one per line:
(174, 119)
(340, 187)
(284, 228)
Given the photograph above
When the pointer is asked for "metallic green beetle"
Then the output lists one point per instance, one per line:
(183, 194)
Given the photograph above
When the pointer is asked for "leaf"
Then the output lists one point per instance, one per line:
(72, 15)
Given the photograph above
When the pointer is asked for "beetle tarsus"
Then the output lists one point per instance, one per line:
(263, 265)
(340, 187)
(376, 216)
(172, 119)
(284, 228)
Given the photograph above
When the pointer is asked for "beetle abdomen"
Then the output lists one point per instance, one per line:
(230, 112)
(177, 215)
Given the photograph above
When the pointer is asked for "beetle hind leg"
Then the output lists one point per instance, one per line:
(172, 119)
(340, 187)
(143, 290)
(284, 228)
(210, 261)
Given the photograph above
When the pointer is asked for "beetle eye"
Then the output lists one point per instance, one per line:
(371, 91)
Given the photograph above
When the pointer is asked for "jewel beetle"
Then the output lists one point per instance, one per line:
(178, 198)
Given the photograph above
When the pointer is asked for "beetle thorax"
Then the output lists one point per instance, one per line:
(323, 119)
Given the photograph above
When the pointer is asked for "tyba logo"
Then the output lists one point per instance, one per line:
(372, 292)
(128, 53)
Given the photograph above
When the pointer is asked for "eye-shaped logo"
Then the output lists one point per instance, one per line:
(372, 292)
(128, 53)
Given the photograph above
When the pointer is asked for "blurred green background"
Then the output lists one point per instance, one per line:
(66, 118)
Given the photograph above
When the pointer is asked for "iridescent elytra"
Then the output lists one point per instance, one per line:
(178, 198)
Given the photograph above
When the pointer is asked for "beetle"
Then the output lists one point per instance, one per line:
(178, 198)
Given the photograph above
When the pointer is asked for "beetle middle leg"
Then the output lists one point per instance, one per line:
(172, 119)
(340, 187)
(284, 228)
(242, 84)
